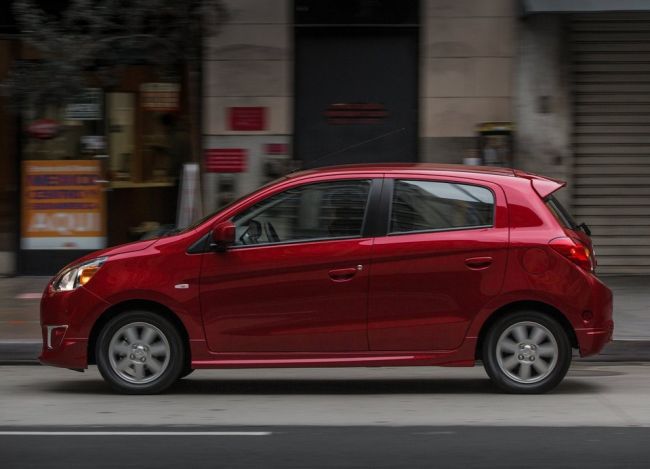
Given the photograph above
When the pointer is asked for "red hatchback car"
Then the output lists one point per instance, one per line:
(367, 265)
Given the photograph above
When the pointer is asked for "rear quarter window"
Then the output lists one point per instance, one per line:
(560, 213)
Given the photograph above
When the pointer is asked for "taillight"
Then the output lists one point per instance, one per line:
(575, 251)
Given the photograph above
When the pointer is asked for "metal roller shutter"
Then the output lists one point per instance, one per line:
(611, 140)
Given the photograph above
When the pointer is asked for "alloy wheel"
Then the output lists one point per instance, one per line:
(527, 352)
(139, 352)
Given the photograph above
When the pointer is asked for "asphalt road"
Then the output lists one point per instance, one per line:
(316, 418)
(592, 395)
(336, 447)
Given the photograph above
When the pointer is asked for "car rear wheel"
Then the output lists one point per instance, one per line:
(186, 372)
(140, 352)
(526, 352)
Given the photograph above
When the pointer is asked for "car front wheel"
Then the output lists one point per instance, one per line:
(526, 352)
(140, 352)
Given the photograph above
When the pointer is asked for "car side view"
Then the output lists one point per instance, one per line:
(363, 265)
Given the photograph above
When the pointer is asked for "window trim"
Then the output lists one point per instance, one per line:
(436, 230)
(375, 210)
(289, 243)
(373, 193)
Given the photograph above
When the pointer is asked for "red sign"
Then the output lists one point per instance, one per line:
(225, 160)
(276, 149)
(355, 113)
(43, 129)
(247, 118)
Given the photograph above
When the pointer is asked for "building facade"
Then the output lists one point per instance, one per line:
(557, 87)
(322, 83)
(354, 81)
(99, 171)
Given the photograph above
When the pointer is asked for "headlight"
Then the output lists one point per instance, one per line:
(77, 275)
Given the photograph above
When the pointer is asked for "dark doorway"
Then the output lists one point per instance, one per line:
(356, 94)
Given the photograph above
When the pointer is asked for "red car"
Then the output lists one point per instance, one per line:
(365, 265)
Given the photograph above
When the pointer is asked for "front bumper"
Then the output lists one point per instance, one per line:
(78, 310)
(71, 353)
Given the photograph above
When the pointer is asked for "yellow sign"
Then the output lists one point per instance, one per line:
(63, 205)
(160, 97)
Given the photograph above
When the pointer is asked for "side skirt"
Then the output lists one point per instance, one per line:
(462, 356)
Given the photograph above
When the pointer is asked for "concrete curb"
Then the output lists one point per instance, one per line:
(26, 352)
(20, 352)
(623, 351)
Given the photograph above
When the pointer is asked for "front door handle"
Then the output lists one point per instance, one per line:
(478, 263)
(343, 275)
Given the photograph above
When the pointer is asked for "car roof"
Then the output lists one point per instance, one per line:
(397, 168)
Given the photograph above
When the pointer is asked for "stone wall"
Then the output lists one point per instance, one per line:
(248, 64)
(466, 69)
(543, 99)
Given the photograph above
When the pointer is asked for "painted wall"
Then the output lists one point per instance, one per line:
(249, 64)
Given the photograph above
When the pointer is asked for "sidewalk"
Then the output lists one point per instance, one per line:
(20, 335)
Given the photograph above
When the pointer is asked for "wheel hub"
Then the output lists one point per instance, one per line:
(139, 353)
(527, 353)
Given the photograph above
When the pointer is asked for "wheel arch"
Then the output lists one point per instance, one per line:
(525, 305)
(136, 304)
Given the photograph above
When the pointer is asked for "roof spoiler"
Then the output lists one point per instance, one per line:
(542, 185)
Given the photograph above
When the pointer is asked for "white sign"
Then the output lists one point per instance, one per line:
(86, 107)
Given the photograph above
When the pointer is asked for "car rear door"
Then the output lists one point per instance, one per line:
(443, 258)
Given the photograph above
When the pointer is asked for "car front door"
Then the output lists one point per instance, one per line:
(443, 258)
(296, 279)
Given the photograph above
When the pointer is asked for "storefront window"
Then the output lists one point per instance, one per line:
(135, 134)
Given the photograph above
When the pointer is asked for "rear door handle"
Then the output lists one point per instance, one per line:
(342, 275)
(478, 263)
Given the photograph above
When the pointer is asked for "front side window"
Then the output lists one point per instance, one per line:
(435, 206)
(314, 211)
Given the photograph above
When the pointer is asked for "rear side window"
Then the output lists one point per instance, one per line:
(435, 206)
(561, 214)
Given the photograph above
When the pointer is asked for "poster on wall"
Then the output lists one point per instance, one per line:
(63, 205)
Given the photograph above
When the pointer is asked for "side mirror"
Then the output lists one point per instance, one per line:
(223, 235)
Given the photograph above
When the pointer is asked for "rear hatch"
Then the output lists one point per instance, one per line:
(546, 188)
(571, 227)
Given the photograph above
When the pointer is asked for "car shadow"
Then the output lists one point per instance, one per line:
(285, 386)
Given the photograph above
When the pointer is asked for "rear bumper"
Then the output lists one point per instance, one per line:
(593, 340)
(597, 328)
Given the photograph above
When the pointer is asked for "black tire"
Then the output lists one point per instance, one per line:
(176, 354)
(186, 372)
(495, 359)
